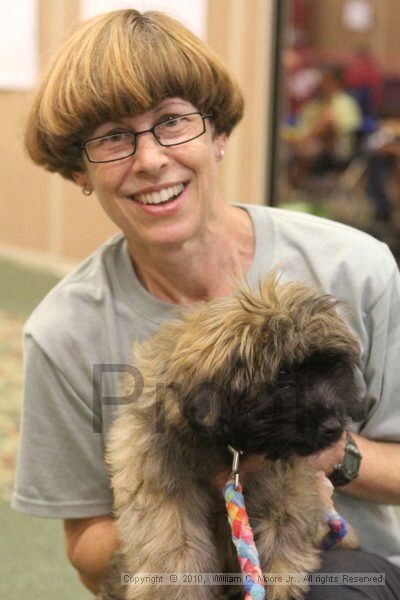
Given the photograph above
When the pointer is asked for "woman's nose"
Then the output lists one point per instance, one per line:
(149, 155)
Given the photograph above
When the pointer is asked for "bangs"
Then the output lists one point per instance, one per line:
(134, 73)
(121, 64)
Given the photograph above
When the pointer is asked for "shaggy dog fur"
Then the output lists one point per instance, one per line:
(271, 373)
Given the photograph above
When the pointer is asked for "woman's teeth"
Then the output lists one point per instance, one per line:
(162, 196)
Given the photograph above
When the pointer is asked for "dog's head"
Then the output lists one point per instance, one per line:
(272, 371)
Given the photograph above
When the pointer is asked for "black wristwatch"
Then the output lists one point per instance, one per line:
(350, 467)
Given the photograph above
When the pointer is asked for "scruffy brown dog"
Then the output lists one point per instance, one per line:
(270, 373)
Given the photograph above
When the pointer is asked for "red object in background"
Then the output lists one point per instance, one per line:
(298, 60)
(300, 13)
(363, 73)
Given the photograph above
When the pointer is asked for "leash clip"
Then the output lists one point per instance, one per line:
(234, 474)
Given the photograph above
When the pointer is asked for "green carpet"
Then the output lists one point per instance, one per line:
(33, 562)
(22, 289)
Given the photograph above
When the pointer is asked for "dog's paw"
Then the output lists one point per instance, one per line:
(350, 541)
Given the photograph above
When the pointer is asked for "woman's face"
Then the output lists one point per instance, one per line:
(126, 187)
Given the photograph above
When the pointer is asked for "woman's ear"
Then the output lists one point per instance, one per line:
(82, 179)
(220, 142)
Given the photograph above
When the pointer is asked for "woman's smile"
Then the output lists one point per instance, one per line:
(159, 194)
(163, 202)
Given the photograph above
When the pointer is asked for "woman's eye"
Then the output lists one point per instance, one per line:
(113, 139)
(172, 121)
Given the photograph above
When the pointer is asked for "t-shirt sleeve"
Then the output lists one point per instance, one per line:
(382, 369)
(60, 467)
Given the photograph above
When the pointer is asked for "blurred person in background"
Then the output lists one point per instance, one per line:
(138, 110)
(301, 77)
(325, 134)
(382, 182)
(363, 79)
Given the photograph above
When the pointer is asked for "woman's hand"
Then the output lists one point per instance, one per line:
(325, 489)
(324, 463)
(328, 459)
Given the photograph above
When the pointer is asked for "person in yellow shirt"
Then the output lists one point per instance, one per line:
(324, 136)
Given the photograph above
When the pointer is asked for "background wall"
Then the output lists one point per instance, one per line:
(382, 38)
(46, 218)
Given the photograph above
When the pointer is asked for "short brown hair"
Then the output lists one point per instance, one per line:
(121, 64)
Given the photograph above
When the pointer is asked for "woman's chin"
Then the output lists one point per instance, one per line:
(162, 236)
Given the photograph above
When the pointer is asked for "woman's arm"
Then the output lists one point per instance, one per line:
(90, 545)
(379, 477)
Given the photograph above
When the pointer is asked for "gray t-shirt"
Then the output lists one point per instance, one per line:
(79, 338)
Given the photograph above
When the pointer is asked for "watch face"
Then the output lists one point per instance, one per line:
(351, 464)
(350, 467)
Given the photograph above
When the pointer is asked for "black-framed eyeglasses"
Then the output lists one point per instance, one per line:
(174, 131)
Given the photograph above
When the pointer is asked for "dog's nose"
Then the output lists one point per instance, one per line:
(332, 427)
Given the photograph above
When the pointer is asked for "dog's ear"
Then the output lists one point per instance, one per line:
(218, 413)
(202, 405)
(368, 403)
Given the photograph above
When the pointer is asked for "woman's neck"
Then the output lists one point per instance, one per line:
(203, 268)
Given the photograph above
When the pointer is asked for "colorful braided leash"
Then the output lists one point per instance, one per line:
(337, 530)
(242, 534)
(243, 538)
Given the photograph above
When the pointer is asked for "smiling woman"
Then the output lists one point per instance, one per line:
(138, 110)
(155, 176)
